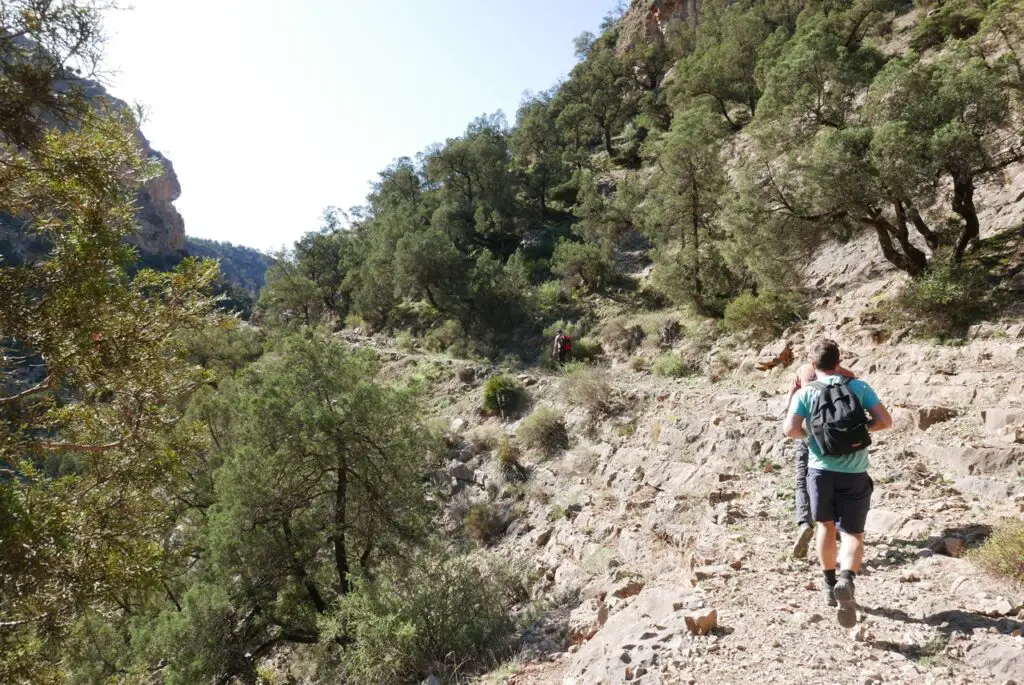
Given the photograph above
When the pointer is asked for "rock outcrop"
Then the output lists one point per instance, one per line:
(648, 19)
(161, 227)
(161, 235)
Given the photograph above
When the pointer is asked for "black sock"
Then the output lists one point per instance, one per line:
(847, 575)
(830, 576)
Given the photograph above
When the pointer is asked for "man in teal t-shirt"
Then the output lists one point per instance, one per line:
(839, 487)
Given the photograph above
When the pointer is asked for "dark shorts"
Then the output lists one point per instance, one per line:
(841, 497)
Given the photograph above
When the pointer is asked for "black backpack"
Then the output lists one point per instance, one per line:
(838, 421)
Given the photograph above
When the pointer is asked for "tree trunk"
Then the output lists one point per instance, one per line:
(340, 508)
(607, 132)
(912, 265)
(902, 234)
(698, 289)
(963, 204)
(725, 113)
(930, 236)
(300, 573)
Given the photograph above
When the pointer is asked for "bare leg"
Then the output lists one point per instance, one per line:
(851, 552)
(826, 540)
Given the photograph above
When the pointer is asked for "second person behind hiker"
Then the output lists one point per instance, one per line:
(804, 522)
(833, 411)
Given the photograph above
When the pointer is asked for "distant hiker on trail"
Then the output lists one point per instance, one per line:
(804, 522)
(838, 435)
(563, 347)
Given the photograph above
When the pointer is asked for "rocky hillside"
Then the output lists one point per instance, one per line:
(240, 265)
(660, 539)
(161, 236)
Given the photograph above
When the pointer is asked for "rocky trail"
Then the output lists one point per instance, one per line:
(677, 516)
(658, 545)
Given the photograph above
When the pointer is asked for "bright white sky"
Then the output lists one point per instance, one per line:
(271, 110)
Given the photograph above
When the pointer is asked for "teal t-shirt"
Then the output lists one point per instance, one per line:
(803, 400)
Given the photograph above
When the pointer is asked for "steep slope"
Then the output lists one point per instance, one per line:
(243, 266)
(680, 502)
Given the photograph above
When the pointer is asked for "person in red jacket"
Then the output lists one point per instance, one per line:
(563, 347)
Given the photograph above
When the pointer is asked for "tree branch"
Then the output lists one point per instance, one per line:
(43, 385)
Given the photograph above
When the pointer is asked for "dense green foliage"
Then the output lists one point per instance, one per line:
(92, 381)
(829, 132)
(182, 498)
(764, 316)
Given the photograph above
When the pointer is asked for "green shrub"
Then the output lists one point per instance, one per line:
(544, 431)
(637, 363)
(484, 523)
(509, 463)
(582, 265)
(405, 342)
(556, 513)
(411, 621)
(1003, 553)
(764, 317)
(573, 329)
(586, 349)
(503, 395)
(553, 300)
(448, 337)
(673, 366)
(943, 302)
(588, 388)
(958, 19)
(619, 334)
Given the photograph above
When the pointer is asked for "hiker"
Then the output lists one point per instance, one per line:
(563, 347)
(804, 523)
(838, 435)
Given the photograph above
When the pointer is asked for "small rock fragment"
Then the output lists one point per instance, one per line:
(701, 622)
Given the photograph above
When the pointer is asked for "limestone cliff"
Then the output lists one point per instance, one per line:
(161, 227)
(647, 19)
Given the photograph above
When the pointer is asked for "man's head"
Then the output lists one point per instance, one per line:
(825, 356)
(559, 331)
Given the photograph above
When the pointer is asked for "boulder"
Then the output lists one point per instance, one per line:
(586, 620)
(777, 355)
(997, 419)
(1002, 659)
(973, 460)
(628, 588)
(984, 488)
(929, 416)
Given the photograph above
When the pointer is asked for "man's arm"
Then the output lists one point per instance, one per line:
(793, 387)
(793, 426)
(880, 418)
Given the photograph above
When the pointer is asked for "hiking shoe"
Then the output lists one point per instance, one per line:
(828, 592)
(847, 613)
(803, 541)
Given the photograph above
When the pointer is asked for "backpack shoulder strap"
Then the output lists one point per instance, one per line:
(817, 385)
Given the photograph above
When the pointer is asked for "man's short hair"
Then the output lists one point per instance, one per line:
(825, 355)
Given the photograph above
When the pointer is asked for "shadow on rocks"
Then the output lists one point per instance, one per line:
(947, 623)
(953, 542)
